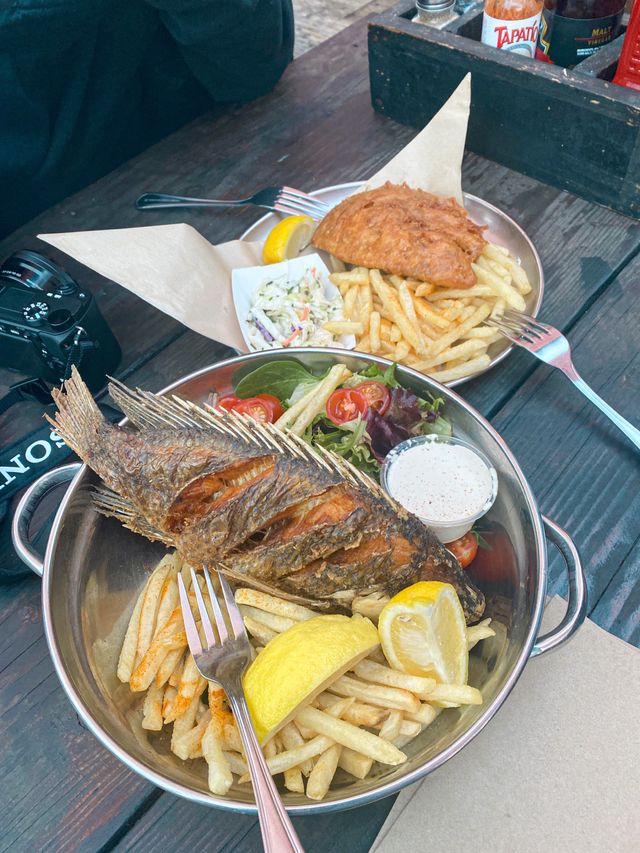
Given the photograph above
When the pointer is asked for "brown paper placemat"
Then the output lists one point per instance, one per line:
(556, 771)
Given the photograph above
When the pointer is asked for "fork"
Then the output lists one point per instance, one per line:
(551, 346)
(224, 662)
(283, 199)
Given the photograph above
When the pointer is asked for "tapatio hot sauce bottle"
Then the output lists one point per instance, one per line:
(512, 25)
(571, 30)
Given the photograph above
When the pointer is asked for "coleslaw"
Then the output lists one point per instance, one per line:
(287, 312)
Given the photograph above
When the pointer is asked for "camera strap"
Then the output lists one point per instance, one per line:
(29, 389)
(22, 463)
(79, 346)
(37, 389)
(35, 453)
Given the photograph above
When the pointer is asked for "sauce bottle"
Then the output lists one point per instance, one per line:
(628, 70)
(512, 25)
(435, 13)
(571, 30)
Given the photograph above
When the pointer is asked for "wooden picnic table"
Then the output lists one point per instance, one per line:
(60, 788)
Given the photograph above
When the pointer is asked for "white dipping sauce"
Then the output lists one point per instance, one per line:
(440, 482)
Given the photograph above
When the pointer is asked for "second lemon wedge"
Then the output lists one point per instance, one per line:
(297, 665)
(287, 239)
(423, 632)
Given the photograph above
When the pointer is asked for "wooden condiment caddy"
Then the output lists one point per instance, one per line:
(573, 129)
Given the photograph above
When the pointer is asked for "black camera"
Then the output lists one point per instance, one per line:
(48, 322)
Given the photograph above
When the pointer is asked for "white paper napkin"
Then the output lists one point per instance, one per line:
(432, 161)
(556, 771)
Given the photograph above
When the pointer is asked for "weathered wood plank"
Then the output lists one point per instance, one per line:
(581, 468)
(618, 609)
(60, 789)
(191, 827)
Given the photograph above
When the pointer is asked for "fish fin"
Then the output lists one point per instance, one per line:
(148, 410)
(246, 580)
(78, 417)
(111, 504)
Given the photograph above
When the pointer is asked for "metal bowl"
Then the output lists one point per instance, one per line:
(94, 569)
(501, 229)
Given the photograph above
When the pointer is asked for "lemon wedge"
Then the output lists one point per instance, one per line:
(298, 664)
(287, 239)
(423, 632)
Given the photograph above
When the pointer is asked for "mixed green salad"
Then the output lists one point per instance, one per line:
(360, 416)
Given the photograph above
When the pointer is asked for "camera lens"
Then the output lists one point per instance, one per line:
(37, 272)
(60, 318)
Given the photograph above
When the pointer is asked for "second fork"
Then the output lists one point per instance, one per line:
(551, 346)
(224, 662)
(281, 199)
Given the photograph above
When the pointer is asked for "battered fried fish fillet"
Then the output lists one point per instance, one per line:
(406, 232)
(260, 504)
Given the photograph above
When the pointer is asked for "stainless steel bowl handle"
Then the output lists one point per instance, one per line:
(577, 603)
(28, 505)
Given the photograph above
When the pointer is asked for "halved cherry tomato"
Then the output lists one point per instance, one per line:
(376, 394)
(276, 405)
(464, 549)
(227, 402)
(257, 409)
(345, 405)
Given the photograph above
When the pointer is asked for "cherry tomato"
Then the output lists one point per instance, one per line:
(276, 405)
(257, 409)
(464, 549)
(376, 394)
(497, 563)
(227, 402)
(345, 405)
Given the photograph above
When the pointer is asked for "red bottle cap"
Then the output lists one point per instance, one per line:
(628, 71)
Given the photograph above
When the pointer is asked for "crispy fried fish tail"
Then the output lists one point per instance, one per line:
(113, 505)
(78, 419)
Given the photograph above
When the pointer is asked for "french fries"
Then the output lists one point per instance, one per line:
(481, 631)
(375, 694)
(270, 604)
(271, 620)
(343, 327)
(351, 736)
(126, 661)
(437, 330)
(369, 670)
(220, 777)
(323, 772)
(321, 393)
(152, 709)
(364, 716)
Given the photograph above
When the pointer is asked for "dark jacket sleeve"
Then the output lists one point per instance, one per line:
(237, 49)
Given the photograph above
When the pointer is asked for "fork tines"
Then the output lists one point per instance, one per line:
(236, 626)
(515, 325)
(293, 201)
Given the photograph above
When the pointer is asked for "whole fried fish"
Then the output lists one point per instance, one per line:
(259, 504)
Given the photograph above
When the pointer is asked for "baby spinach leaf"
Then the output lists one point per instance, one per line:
(279, 378)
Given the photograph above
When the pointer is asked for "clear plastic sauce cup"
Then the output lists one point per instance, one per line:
(447, 482)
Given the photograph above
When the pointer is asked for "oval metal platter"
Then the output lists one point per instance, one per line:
(501, 229)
